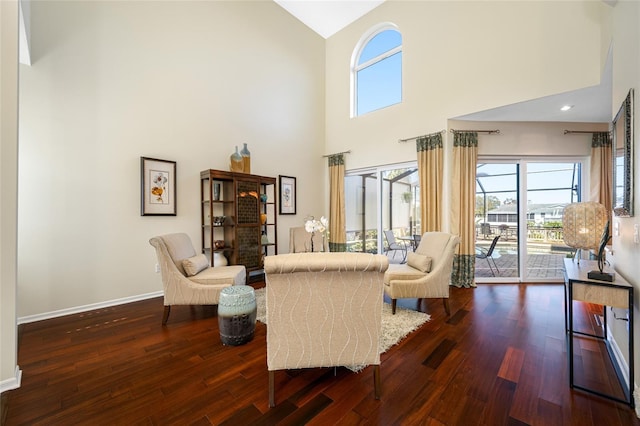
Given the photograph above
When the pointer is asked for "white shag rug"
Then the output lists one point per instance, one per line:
(394, 327)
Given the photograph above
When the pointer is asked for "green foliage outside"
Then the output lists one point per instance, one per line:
(492, 203)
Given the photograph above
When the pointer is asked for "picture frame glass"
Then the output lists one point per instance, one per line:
(158, 187)
(623, 158)
(287, 195)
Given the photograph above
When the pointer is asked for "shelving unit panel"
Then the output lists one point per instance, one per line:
(249, 247)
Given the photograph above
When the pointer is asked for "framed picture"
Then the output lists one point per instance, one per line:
(287, 194)
(158, 190)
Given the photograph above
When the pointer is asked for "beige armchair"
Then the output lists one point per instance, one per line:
(323, 310)
(187, 278)
(300, 241)
(427, 273)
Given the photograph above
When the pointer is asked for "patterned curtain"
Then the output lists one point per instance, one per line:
(465, 154)
(337, 218)
(601, 170)
(430, 153)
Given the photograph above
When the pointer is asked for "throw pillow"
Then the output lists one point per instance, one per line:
(195, 264)
(419, 261)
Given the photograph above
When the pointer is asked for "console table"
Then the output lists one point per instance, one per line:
(618, 294)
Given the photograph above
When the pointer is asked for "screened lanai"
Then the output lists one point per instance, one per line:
(510, 196)
(521, 203)
(394, 205)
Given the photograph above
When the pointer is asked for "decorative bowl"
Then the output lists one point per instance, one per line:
(218, 220)
(218, 244)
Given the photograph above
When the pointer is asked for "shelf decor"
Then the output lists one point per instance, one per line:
(158, 187)
(287, 194)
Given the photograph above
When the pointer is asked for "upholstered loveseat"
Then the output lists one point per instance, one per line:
(323, 310)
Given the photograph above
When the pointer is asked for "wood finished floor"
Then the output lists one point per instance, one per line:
(500, 359)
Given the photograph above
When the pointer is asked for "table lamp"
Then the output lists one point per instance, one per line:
(582, 225)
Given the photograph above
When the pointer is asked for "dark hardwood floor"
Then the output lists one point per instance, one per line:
(500, 359)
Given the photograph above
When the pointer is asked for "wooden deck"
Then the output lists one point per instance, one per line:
(544, 261)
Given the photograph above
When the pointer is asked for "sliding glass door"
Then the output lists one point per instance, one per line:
(550, 187)
(519, 207)
(361, 201)
(400, 201)
(497, 220)
(381, 199)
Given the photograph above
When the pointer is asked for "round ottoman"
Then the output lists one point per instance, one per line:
(237, 314)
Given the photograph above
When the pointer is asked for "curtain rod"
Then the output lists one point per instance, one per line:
(421, 136)
(585, 131)
(477, 131)
(338, 153)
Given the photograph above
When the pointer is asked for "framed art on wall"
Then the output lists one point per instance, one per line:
(158, 187)
(287, 194)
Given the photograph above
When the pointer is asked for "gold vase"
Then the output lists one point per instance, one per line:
(235, 162)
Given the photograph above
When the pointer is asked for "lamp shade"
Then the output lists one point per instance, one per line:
(583, 224)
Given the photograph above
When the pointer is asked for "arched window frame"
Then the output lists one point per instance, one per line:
(355, 57)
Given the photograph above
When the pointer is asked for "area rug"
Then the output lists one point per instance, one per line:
(394, 327)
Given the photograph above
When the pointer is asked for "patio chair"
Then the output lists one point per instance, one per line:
(394, 245)
(483, 253)
(416, 241)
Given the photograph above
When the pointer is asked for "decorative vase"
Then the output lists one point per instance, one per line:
(263, 218)
(264, 198)
(216, 192)
(236, 164)
(219, 259)
(246, 159)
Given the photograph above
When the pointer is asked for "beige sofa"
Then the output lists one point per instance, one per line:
(427, 272)
(187, 278)
(323, 310)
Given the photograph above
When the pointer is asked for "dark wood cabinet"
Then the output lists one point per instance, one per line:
(239, 222)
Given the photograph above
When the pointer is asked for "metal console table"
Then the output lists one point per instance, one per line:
(618, 294)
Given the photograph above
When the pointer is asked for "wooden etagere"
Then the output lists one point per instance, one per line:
(245, 236)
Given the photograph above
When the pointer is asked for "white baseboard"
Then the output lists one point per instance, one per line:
(619, 357)
(624, 369)
(85, 308)
(12, 383)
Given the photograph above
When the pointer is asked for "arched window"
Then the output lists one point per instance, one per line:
(376, 70)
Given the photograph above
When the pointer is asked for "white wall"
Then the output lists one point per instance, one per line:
(531, 139)
(460, 58)
(183, 81)
(626, 75)
(9, 372)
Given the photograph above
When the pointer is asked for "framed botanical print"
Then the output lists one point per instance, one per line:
(158, 187)
(287, 189)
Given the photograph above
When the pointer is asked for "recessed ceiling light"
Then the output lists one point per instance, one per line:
(566, 108)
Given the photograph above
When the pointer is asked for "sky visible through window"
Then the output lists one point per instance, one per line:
(380, 84)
